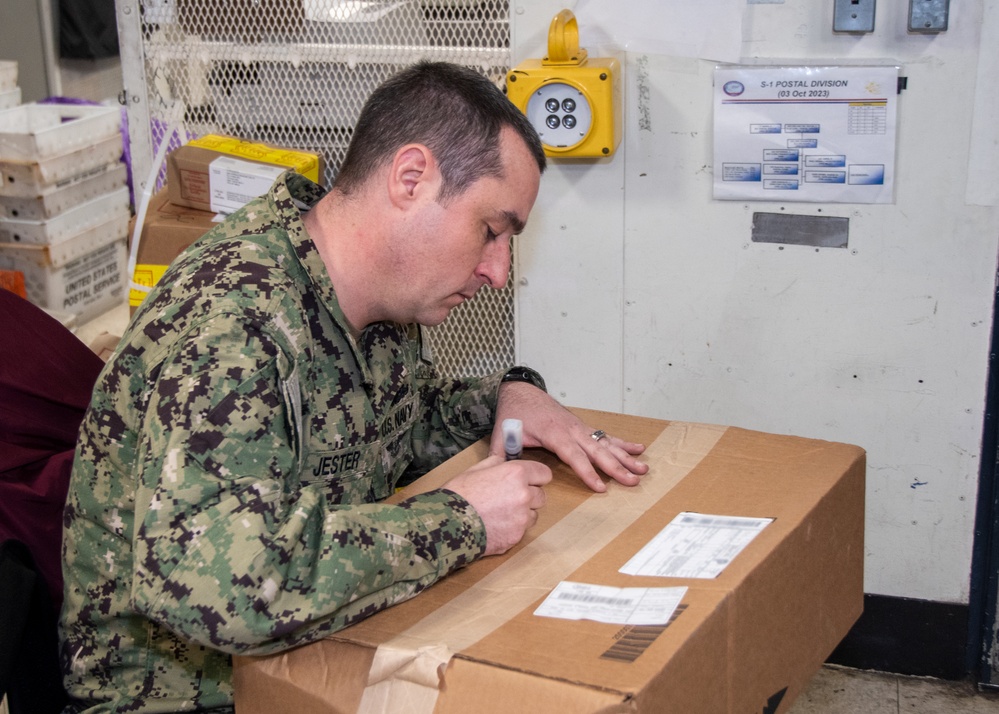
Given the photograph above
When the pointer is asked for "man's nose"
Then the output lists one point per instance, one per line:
(495, 264)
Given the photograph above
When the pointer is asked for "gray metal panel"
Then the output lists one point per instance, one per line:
(854, 15)
(792, 229)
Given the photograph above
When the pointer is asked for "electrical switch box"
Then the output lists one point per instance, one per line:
(572, 100)
(855, 16)
(928, 15)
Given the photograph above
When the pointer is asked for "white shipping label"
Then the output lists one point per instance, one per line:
(695, 545)
(616, 606)
(233, 183)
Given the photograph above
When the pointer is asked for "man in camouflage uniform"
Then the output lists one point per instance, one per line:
(273, 389)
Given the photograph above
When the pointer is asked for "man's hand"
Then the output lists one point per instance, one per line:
(506, 495)
(550, 425)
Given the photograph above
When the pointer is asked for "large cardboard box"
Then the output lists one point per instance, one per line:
(222, 173)
(166, 231)
(748, 640)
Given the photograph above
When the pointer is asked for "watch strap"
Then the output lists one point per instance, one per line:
(525, 374)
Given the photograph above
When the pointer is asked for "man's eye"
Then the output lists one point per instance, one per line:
(490, 235)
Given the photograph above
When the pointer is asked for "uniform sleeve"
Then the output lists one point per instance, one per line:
(455, 412)
(230, 550)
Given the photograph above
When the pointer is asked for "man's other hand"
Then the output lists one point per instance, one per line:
(550, 425)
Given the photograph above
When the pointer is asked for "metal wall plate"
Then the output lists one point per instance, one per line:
(928, 15)
(853, 15)
(791, 229)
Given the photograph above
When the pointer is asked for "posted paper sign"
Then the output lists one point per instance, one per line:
(812, 134)
(616, 606)
(695, 545)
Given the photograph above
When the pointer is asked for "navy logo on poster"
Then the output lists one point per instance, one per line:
(733, 88)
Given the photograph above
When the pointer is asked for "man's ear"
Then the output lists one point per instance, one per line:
(413, 172)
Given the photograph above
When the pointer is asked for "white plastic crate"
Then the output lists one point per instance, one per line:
(8, 74)
(68, 224)
(35, 178)
(60, 198)
(84, 275)
(33, 132)
(10, 97)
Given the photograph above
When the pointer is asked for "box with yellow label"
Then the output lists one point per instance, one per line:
(221, 173)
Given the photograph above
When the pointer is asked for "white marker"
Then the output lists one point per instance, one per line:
(513, 438)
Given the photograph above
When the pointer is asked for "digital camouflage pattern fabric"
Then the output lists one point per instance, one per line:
(225, 493)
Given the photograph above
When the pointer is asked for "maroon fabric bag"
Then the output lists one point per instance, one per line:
(46, 378)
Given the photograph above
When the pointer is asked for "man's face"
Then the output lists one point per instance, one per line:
(452, 251)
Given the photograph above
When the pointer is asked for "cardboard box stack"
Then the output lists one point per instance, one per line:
(166, 231)
(10, 96)
(206, 178)
(64, 205)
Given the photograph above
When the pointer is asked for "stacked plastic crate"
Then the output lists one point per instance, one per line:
(10, 96)
(64, 206)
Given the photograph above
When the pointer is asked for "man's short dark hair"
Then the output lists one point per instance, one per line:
(454, 111)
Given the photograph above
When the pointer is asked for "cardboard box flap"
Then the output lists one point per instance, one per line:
(299, 680)
(475, 687)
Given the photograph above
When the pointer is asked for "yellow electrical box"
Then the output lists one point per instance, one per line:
(572, 100)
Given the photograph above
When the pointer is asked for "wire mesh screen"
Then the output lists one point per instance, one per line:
(295, 73)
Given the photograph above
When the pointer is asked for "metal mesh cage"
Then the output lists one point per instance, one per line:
(296, 73)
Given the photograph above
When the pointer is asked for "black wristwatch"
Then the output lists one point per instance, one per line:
(525, 374)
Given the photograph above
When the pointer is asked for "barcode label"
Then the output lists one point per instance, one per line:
(598, 599)
(700, 520)
(620, 606)
(636, 639)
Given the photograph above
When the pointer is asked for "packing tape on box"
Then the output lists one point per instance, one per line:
(408, 669)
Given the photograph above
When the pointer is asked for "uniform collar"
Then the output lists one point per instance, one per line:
(292, 194)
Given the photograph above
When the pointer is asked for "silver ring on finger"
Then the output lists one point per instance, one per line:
(598, 435)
